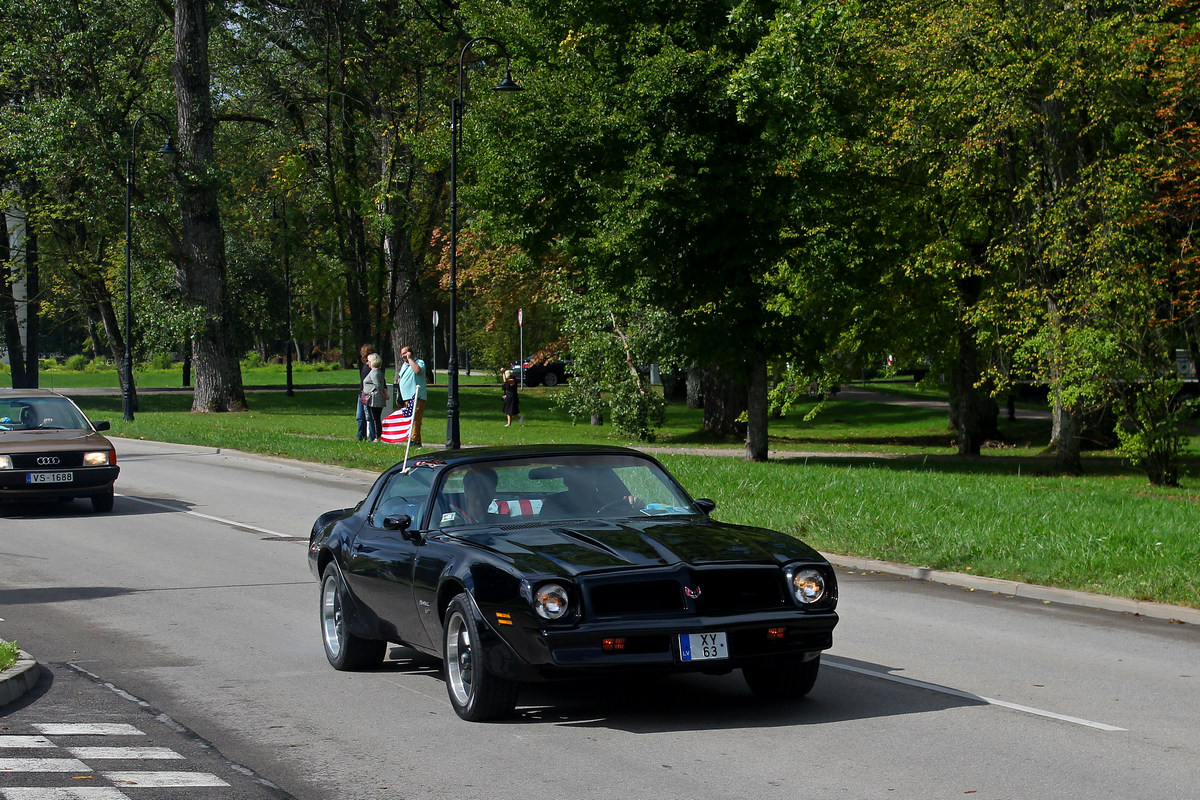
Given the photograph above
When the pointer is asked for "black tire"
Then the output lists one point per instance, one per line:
(476, 694)
(551, 379)
(102, 503)
(344, 650)
(782, 680)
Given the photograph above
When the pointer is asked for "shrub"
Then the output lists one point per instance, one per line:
(252, 360)
(8, 654)
(77, 362)
(162, 361)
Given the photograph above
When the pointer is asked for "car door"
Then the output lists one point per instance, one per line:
(379, 562)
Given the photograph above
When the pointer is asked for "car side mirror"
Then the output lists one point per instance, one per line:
(102, 425)
(402, 523)
(705, 505)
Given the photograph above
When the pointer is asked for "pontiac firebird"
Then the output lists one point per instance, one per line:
(522, 564)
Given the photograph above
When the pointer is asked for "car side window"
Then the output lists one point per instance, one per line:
(403, 494)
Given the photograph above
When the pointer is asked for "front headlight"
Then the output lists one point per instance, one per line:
(6, 462)
(551, 601)
(97, 459)
(808, 585)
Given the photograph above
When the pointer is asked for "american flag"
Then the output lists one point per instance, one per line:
(398, 425)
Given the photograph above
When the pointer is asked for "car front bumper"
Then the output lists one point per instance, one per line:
(654, 645)
(15, 484)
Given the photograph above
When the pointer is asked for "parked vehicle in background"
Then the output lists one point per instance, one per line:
(532, 563)
(49, 450)
(543, 371)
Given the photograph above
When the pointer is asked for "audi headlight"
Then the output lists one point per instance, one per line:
(551, 601)
(808, 585)
(6, 462)
(97, 459)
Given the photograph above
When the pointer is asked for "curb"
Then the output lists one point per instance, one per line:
(1048, 594)
(19, 678)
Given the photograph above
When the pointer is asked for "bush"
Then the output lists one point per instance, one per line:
(77, 362)
(48, 364)
(252, 360)
(161, 361)
(8, 654)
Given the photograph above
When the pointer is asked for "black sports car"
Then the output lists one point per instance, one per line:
(522, 564)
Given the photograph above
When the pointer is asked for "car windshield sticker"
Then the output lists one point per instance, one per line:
(449, 516)
(655, 509)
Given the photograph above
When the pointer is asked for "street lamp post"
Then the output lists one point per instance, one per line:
(453, 441)
(130, 170)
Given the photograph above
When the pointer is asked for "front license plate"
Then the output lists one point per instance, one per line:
(50, 477)
(702, 646)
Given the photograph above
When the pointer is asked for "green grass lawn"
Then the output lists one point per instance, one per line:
(892, 489)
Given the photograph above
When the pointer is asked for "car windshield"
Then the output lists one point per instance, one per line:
(600, 486)
(40, 413)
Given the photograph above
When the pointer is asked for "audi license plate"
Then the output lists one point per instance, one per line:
(702, 646)
(50, 477)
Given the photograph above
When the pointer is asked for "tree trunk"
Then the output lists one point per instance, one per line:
(8, 309)
(112, 332)
(973, 412)
(695, 388)
(33, 309)
(201, 270)
(756, 428)
(724, 401)
(1066, 440)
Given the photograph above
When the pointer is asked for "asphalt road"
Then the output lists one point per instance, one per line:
(194, 597)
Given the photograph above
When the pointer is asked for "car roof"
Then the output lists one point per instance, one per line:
(32, 394)
(468, 455)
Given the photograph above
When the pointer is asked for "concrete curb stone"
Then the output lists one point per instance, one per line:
(1050, 594)
(19, 678)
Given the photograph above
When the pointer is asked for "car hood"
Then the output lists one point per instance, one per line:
(574, 548)
(52, 439)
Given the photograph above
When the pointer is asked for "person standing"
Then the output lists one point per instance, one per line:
(410, 380)
(361, 414)
(374, 395)
(512, 400)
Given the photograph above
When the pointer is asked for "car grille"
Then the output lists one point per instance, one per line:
(58, 460)
(712, 591)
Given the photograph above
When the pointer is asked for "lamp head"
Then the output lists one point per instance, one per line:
(508, 84)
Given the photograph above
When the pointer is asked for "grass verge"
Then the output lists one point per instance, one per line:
(8, 654)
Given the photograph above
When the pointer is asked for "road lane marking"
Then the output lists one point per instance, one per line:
(43, 765)
(15, 740)
(209, 517)
(163, 780)
(133, 753)
(933, 687)
(86, 729)
(64, 793)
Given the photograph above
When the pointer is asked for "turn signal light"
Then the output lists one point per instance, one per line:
(612, 645)
(504, 618)
(775, 634)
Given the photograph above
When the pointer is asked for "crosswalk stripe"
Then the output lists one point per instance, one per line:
(64, 793)
(123, 752)
(163, 780)
(14, 740)
(43, 765)
(87, 729)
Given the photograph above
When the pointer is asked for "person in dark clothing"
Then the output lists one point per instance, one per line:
(512, 400)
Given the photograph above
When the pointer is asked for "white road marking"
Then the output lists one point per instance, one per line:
(13, 740)
(209, 517)
(87, 729)
(158, 753)
(933, 687)
(162, 780)
(65, 793)
(43, 765)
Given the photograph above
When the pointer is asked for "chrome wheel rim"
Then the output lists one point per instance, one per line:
(460, 665)
(331, 616)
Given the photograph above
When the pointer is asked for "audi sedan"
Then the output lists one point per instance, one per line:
(50, 451)
(523, 564)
